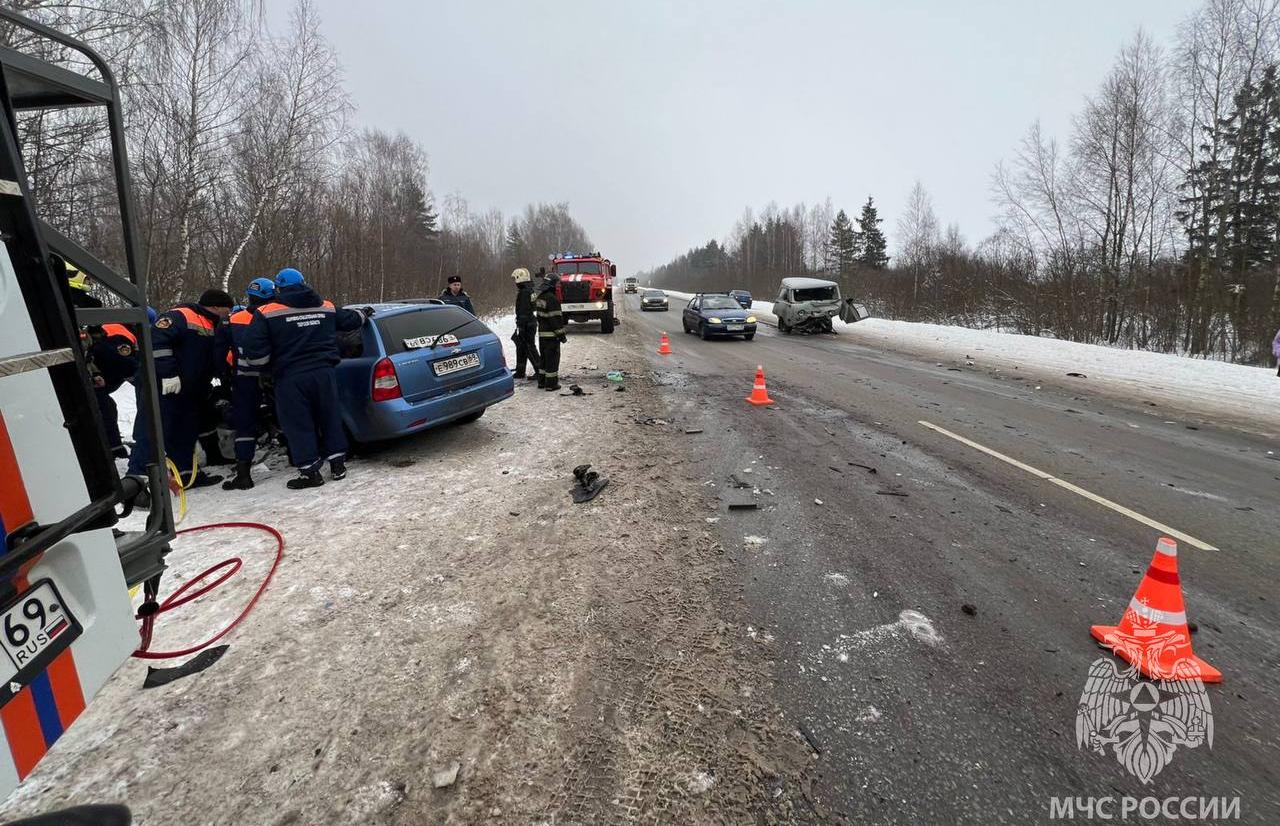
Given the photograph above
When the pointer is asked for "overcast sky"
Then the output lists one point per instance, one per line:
(660, 121)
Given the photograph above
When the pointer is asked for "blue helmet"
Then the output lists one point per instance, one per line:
(261, 288)
(288, 277)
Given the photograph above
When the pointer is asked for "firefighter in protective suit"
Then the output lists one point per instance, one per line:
(526, 334)
(551, 334)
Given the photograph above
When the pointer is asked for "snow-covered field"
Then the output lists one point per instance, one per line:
(1246, 397)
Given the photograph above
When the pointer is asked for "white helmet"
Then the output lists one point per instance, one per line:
(520, 275)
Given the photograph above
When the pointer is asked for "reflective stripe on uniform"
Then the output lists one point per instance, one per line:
(276, 309)
(202, 325)
(109, 330)
(162, 352)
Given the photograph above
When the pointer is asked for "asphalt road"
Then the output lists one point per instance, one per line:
(965, 710)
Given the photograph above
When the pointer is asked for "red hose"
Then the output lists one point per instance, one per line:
(180, 596)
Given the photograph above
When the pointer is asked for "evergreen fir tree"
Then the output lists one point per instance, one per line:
(515, 246)
(874, 245)
(842, 245)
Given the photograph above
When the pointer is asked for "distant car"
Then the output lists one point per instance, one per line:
(716, 314)
(631, 285)
(653, 300)
(742, 297)
(416, 366)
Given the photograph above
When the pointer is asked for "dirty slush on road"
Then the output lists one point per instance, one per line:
(451, 609)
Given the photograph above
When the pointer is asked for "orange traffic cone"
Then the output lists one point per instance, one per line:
(1152, 634)
(759, 395)
(664, 349)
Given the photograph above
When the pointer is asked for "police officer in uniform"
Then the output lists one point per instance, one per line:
(186, 357)
(455, 295)
(246, 388)
(296, 335)
(526, 334)
(551, 334)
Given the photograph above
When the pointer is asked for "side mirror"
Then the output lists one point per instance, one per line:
(613, 270)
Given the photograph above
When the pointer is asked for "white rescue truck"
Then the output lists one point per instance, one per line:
(66, 619)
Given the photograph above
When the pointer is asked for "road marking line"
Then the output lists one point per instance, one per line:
(1076, 489)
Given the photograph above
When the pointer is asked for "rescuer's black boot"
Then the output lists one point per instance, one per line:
(306, 479)
(243, 480)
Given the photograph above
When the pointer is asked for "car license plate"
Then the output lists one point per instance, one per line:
(430, 341)
(34, 628)
(734, 328)
(466, 361)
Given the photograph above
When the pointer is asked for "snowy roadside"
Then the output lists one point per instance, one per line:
(1244, 397)
(447, 604)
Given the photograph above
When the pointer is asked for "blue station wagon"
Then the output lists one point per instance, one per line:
(417, 366)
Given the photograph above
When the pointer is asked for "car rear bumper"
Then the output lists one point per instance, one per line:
(400, 417)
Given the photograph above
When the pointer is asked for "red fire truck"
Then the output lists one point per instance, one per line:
(586, 287)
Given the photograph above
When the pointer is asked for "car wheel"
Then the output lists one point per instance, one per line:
(702, 332)
(685, 324)
(749, 336)
(471, 417)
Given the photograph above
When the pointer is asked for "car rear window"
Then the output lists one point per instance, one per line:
(429, 321)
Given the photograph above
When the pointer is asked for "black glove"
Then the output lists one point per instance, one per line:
(562, 338)
(367, 312)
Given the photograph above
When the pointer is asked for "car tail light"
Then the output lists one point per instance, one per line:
(386, 384)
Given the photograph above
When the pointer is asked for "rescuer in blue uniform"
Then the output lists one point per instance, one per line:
(296, 336)
(184, 345)
(246, 387)
(113, 360)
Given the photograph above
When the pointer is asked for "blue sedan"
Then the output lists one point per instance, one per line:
(716, 314)
(418, 366)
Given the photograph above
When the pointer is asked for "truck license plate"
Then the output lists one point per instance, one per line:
(33, 629)
(466, 361)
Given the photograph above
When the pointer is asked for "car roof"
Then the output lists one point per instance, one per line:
(408, 305)
(806, 283)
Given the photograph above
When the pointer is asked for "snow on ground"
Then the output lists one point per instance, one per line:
(1247, 397)
(448, 603)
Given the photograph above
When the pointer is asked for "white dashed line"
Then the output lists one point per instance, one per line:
(1076, 489)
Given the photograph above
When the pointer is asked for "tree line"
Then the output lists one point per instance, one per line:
(1153, 224)
(779, 242)
(245, 159)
